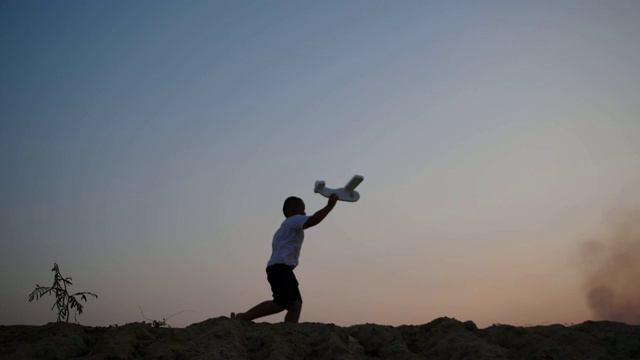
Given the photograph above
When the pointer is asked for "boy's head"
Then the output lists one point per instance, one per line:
(293, 206)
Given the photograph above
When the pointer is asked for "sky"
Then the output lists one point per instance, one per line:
(146, 147)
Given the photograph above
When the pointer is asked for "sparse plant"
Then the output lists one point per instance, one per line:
(64, 301)
(159, 324)
(163, 323)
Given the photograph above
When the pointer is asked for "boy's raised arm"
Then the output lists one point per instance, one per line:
(316, 218)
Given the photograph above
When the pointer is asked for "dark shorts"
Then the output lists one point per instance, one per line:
(284, 285)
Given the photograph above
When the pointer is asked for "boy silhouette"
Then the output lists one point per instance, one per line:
(286, 245)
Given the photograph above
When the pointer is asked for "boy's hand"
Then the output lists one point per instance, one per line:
(316, 218)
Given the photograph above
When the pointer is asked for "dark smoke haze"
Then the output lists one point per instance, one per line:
(613, 277)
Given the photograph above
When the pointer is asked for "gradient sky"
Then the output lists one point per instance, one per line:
(147, 147)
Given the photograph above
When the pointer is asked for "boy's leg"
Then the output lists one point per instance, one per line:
(285, 291)
(263, 309)
(293, 314)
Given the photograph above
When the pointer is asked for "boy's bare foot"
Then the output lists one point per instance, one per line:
(238, 316)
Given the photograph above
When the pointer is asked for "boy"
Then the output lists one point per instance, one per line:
(286, 245)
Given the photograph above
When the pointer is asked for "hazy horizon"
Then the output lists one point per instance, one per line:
(147, 147)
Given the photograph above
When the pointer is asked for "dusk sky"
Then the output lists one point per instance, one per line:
(146, 147)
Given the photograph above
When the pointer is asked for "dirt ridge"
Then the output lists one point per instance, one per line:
(224, 338)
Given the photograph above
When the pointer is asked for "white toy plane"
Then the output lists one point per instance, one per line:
(346, 193)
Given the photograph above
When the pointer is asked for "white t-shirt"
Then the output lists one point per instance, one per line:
(287, 241)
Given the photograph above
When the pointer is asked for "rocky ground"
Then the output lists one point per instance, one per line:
(223, 338)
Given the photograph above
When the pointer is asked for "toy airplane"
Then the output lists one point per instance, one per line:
(346, 193)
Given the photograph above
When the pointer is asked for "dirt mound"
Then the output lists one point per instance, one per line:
(223, 338)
